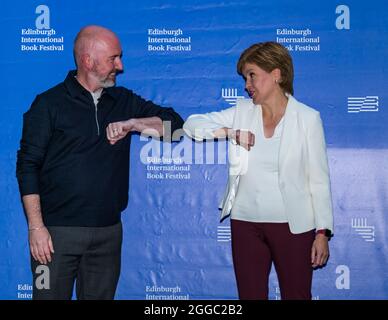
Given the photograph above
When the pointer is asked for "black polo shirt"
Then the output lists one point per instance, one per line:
(65, 156)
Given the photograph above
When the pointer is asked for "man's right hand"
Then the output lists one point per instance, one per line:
(41, 245)
(116, 131)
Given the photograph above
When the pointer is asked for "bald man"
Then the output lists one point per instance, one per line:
(73, 170)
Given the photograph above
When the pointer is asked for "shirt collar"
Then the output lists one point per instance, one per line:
(76, 89)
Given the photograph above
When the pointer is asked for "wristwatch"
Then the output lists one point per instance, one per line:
(325, 232)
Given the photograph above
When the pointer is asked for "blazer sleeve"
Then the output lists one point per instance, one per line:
(319, 180)
(202, 126)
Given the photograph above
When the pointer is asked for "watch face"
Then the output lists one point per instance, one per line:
(328, 233)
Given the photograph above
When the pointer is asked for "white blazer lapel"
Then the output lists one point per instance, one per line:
(289, 130)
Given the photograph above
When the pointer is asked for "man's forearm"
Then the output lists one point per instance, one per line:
(150, 126)
(33, 210)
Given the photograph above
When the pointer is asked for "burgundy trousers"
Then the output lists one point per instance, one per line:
(255, 246)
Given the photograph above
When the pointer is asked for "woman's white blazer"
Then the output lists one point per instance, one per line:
(303, 167)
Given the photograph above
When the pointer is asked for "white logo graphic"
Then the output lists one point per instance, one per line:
(43, 20)
(155, 292)
(363, 104)
(24, 291)
(43, 37)
(230, 95)
(343, 20)
(168, 40)
(361, 227)
(343, 280)
(224, 234)
(295, 39)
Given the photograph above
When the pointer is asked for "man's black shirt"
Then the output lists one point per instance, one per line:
(66, 158)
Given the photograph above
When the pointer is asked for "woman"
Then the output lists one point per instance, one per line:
(278, 193)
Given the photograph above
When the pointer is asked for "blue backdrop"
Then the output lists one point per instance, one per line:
(183, 54)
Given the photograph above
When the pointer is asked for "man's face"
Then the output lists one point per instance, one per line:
(106, 56)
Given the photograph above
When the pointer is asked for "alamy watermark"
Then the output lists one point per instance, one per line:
(42, 280)
(200, 151)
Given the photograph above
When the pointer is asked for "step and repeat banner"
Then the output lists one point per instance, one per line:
(183, 54)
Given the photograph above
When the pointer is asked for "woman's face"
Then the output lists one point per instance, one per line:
(259, 84)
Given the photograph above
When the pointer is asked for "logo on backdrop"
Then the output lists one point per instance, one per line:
(24, 291)
(230, 95)
(343, 280)
(343, 20)
(224, 234)
(42, 37)
(42, 282)
(166, 168)
(277, 294)
(299, 40)
(367, 232)
(155, 292)
(168, 40)
(363, 104)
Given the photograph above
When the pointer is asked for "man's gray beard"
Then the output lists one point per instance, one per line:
(108, 83)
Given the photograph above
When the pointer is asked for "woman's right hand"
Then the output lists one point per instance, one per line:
(244, 138)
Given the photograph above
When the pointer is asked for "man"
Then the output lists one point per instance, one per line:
(73, 175)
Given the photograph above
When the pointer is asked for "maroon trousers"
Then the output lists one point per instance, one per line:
(256, 245)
